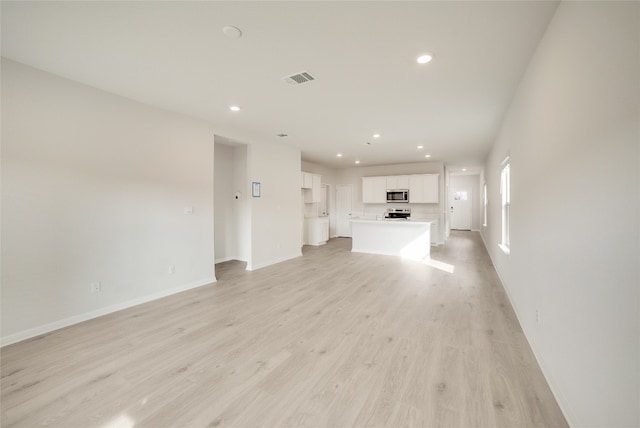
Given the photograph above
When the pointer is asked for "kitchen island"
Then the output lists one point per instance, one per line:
(402, 237)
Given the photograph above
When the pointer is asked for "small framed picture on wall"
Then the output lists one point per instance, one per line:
(255, 189)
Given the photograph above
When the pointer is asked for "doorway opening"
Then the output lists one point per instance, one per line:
(231, 208)
(461, 203)
(464, 201)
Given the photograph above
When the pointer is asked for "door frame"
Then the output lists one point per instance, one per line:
(470, 206)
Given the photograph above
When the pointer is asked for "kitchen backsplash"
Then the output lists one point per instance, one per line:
(417, 210)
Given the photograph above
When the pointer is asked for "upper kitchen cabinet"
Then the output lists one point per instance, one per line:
(311, 183)
(395, 182)
(306, 180)
(424, 189)
(374, 190)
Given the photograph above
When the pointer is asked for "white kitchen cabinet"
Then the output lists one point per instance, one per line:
(395, 182)
(374, 190)
(408, 239)
(424, 189)
(416, 189)
(311, 185)
(367, 189)
(323, 225)
(316, 230)
(312, 195)
(392, 182)
(316, 188)
(434, 232)
(431, 189)
(323, 208)
(307, 180)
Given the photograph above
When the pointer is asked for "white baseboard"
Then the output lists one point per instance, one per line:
(56, 325)
(223, 259)
(317, 244)
(564, 407)
(272, 261)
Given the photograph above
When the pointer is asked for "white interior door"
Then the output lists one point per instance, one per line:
(344, 205)
(461, 209)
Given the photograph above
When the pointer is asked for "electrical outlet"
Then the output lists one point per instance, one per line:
(172, 269)
(96, 287)
(538, 319)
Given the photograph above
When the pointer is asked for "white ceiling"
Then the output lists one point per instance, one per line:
(363, 54)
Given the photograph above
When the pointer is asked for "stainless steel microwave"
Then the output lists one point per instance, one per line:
(398, 195)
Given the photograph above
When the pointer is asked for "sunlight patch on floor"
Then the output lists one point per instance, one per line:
(446, 267)
(121, 421)
(418, 248)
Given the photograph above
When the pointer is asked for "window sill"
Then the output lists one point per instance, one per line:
(505, 249)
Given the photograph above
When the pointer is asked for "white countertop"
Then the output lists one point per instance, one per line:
(392, 221)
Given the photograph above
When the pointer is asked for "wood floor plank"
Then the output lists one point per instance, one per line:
(332, 338)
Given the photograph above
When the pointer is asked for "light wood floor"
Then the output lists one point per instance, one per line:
(330, 339)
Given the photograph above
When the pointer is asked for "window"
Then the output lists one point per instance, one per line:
(485, 201)
(460, 196)
(505, 193)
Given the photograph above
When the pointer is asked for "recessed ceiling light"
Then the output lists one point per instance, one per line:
(339, 155)
(423, 59)
(232, 32)
(464, 169)
(376, 135)
(427, 156)
(420, 147)
(357, 162)
(281, 135)
(234, 108)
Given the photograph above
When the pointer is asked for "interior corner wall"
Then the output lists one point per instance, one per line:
(241, 207)
(447, 212)
(572, 133)
(96, 188)
(276, 224)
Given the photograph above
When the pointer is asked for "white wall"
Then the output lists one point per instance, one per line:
(94, 188)
(572, 133)
(328, 174)
(354, 176)
(447, 211)
(224, 204)
(276, 224)
(242, 214)
(472, 183)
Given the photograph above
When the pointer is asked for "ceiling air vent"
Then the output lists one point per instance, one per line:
(299, 78)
